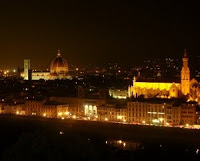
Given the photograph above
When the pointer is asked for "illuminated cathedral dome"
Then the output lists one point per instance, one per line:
(59, 65)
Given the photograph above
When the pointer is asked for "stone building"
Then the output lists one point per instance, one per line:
(161, 112)
(12, 109)
(112, 113)
(47, 109)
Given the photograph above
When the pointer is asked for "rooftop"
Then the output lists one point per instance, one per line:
(160, 80)
(173, 101)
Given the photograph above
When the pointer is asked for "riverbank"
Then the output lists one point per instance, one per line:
(103, 129)
(32, 138)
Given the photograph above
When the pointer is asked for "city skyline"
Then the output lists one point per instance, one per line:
(115, 30)
(100, 80)
(45, 66)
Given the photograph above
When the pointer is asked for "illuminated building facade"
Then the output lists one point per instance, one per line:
(41, 75)
(161, 113)
(117, 114)
(27, 68)
(63, 111)
(173, 115)
(152, 89)
(44, 109)
(90, 111)
(186, 87)
(12, 109)
(109, 112)
(188, 114)
(81, 107)
(118, 93)
(146, 112)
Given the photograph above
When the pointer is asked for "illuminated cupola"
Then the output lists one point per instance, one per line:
(59, 65)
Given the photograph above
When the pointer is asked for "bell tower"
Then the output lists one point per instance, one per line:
(185, 75)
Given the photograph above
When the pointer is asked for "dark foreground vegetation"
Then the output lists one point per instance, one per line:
(40, 139)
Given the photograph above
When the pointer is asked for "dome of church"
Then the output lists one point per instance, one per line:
(59, 65)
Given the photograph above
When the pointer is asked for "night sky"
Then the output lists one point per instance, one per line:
(96, 32)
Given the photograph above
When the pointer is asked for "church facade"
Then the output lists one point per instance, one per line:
(186, 87)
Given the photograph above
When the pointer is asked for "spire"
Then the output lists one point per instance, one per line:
(58, 54)
(185, 53)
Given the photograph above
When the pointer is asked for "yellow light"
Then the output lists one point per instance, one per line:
(119, 97)
(60, 114)
(44, 114)
(124, 144)
(161, 119)
(144, 122)
(120, 141)
(119, 117)
(67, 113)
(62, 118)
(86, 106)
(106, 142)
(74, 116)
(154, 85)
(96, 116)
(106, 119)
(187, 125)
(17, 112)
(167, 123)
(156, 121)
(124, 120)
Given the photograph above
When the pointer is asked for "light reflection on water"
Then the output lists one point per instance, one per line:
(133, 146)
(124, 145)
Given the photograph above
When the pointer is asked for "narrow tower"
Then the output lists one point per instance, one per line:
(27, 67)
(185, 75)
(18, 72)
